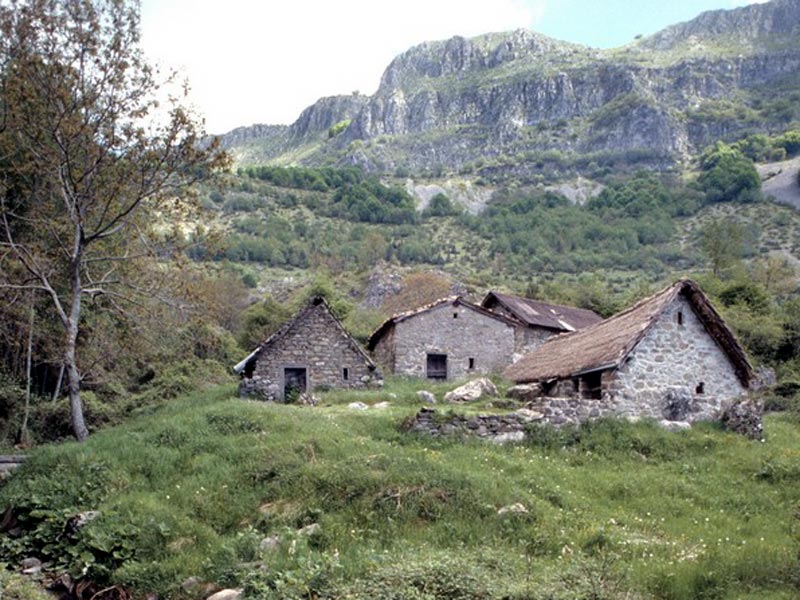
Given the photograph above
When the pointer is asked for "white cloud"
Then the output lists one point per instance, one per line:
(264, 62)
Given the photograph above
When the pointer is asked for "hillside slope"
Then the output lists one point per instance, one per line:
(329, 502)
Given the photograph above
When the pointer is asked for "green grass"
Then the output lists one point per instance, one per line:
(194, 487)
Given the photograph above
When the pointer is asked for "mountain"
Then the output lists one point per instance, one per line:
(524, 105)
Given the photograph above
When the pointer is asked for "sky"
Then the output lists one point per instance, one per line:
(264, 61)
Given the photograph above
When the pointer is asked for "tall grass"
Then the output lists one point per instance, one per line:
(195, 488)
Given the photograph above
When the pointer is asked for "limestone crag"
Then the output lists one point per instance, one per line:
(508, 97)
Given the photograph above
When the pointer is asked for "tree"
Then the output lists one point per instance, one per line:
(728, 176)
(722, 243)
(86, 155)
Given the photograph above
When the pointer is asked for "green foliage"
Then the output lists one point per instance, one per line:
(613, 508)
(338, 128)
(790, 142)
(441, 206)
(728, 176)
(19, 587)
(260, 321)
(722, 243)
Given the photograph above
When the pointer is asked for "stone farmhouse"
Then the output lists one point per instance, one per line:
(671, 356)
(451, 338)
(539, 320)
(311, 351)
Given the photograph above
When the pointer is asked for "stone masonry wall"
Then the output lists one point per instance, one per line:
(316, 343)
(489, 341)
(526, 338)
(674, 358)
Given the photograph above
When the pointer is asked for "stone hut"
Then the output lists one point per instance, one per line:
(449, 339)
(671, 356)
(539, 321)
(311, 351)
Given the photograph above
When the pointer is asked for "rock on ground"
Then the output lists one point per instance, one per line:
(744, 417)
(357, 406)
(526, 392)
(226, 595)
(513, 508)
(426, 396)
(472, 390)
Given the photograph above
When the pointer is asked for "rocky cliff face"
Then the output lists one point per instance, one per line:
(509, 98)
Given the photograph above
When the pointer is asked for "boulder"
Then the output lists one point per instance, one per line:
(31, 566)
(472, 390)
(381, 405)
(509, 437)
(674, 425)
(526, 392)
(426, 396)
(517, 507)
(309, 530)
(527, 414)
(227, 595)
(306, 399)
(270, 544)
(357, 406)
(744, 417)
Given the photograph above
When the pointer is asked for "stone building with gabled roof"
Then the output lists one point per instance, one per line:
(312, 351)
(539, 320)
(669, 356)
(451, 338)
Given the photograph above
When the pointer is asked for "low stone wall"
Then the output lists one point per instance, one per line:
(498, 428)
(557, 412)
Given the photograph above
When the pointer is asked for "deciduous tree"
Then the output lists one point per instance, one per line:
(87, 154)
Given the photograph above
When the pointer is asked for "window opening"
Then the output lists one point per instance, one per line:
(345, 373)
(471, 363)
(700, 389)
(680, 317)
(455, 315)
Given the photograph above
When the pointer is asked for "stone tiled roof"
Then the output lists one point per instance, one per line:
(288, 326)
(607, 344)
(541, 314)
(386, 326)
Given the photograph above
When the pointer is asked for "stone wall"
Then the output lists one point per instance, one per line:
(526, 338)
(455, 330)
(673, 360)
(317, 343)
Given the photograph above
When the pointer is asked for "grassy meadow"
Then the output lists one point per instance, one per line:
(221, 489)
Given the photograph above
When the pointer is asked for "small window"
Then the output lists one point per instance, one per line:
(471, 363)
(455, 315)
(680, 318)
(700, 389)
(345, 374)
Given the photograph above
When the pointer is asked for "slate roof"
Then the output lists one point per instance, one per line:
(387, 325)
(541, 314)
(607, 344)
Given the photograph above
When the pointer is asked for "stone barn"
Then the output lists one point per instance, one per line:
(539, 321)
(449, 339)
(311, 351)
(671, 356)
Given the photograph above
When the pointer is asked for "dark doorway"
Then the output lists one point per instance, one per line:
(437, 366)
(295, 381)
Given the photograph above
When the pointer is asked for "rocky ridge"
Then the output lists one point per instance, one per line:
(499, 102)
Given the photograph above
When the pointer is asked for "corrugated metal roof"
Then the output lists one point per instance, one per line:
(541, 314)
